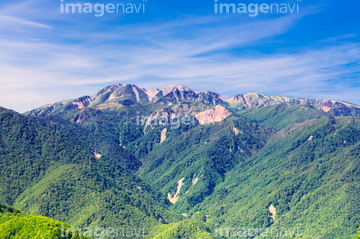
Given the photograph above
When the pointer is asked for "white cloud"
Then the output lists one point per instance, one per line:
(39, 68)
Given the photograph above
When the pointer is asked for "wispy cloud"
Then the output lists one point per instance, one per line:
(23, 22)
(205, 53)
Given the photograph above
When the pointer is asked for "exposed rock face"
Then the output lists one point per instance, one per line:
(236, 130)
(119, 91)
(216, 114)
(272, 211)
(163, 135)
(97, 155)
(254, 100)
(176, 196)
(82, 102)
(178, 93)
(194, 181)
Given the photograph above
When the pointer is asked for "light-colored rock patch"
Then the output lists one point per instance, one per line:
(176, 196)
(326, 108)
(151, 93)
(136, 92)
(216, 114)
(272, 211)
(236, 130)
(97, 155)
(163, 135)
(80, 105)
(195, 180)
(242, 151)
(171, 88)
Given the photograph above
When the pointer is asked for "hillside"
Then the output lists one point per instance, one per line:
(304, 179)
(14, 224)
(195, 159)
(45, 172)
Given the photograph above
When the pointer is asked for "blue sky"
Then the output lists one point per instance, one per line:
(47, 56)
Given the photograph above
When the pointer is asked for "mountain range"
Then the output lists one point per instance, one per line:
(108, 98)
(180, 163)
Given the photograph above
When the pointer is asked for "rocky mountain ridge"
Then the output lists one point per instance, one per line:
(118, 95)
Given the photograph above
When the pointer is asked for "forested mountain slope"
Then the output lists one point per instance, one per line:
(305, 179)
(251, 161)
(47, 173)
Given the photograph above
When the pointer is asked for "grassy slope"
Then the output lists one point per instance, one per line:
(280, 116)
(16, 225)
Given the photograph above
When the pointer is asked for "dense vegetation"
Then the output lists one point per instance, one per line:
(285, 168)
(309, 182)
(45, 172)
(201, 156)
(16, 225)
(191, 229)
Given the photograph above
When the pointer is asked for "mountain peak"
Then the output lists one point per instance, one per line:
(170, 88)
(110, 96)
